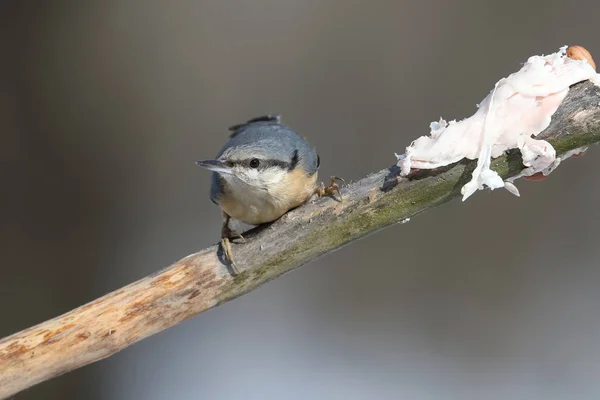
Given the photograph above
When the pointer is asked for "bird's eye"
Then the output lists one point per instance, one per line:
(254, 163)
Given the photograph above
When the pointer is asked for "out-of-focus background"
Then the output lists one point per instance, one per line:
(104, 106)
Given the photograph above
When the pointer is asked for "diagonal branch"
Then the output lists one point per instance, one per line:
(201, 281)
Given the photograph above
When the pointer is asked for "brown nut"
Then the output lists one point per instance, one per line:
(580, 53)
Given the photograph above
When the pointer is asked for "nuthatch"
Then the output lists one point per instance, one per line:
(262, 172)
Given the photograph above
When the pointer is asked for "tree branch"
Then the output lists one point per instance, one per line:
(201, 281)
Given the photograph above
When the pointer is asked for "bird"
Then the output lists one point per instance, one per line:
(264, 170)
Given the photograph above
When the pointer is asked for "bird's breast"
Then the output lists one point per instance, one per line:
(255, 206)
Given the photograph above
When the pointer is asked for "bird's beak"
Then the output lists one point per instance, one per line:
(215, 165)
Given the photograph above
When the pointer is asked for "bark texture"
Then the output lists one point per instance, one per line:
(200, 281)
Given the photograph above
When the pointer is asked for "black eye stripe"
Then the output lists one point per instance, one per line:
(262, 164)
(274, 163)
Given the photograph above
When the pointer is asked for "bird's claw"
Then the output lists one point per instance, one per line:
(226, 246)
(227, 235)
(330, 190)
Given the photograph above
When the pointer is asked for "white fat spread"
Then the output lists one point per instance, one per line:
(516, 110)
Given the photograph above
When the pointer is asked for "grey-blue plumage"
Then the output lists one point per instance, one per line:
(271, 142)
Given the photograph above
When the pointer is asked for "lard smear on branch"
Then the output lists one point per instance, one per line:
(516, 110)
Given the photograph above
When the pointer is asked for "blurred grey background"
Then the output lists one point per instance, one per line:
(105, 104)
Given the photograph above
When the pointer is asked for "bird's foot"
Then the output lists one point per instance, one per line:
(330, 190)
(227, 235)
